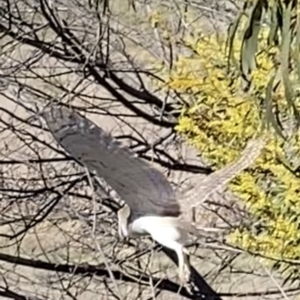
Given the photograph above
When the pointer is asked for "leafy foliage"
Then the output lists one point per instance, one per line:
(221, 115)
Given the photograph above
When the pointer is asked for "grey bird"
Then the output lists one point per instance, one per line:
(152, 206)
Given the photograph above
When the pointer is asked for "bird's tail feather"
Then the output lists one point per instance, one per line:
(220, 178)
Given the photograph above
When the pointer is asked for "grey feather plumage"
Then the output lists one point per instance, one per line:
(145, 190)
(142, 187)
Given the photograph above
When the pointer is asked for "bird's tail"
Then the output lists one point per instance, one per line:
(220, 178)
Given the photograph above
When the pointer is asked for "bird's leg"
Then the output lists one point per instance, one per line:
(169, 233)
(123, 215)
(184, 271)
(182, 256)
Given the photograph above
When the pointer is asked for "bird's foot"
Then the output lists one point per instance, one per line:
(184, 271)
(184, 274)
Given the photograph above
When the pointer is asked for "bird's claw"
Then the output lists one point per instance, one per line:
(184, 274)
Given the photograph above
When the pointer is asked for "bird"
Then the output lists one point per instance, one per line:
(152, 207)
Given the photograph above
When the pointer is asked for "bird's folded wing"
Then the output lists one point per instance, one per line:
(141, 186)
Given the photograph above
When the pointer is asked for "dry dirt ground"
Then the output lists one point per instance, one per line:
(66, 236)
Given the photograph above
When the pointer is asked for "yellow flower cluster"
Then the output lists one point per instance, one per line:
(220, 122)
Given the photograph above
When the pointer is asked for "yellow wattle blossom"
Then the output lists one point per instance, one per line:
(155, 18)
(220, 120)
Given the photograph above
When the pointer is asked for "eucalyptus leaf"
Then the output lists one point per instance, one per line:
(276, 19)
(297, 46)
(232, 31)
(269, 106)
(250, 39)
(284, 60)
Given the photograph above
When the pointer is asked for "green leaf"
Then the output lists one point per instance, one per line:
(276, 23)
(250, 40)
(270, 118)
(297, 46)
(232, 30)
(284, 60)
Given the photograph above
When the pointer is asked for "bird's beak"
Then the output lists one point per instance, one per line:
(123, 232)
(123, 222)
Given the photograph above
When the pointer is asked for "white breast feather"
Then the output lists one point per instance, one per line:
(161, 229)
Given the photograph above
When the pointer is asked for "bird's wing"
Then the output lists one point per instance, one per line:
(220, 178)
(142, 187)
